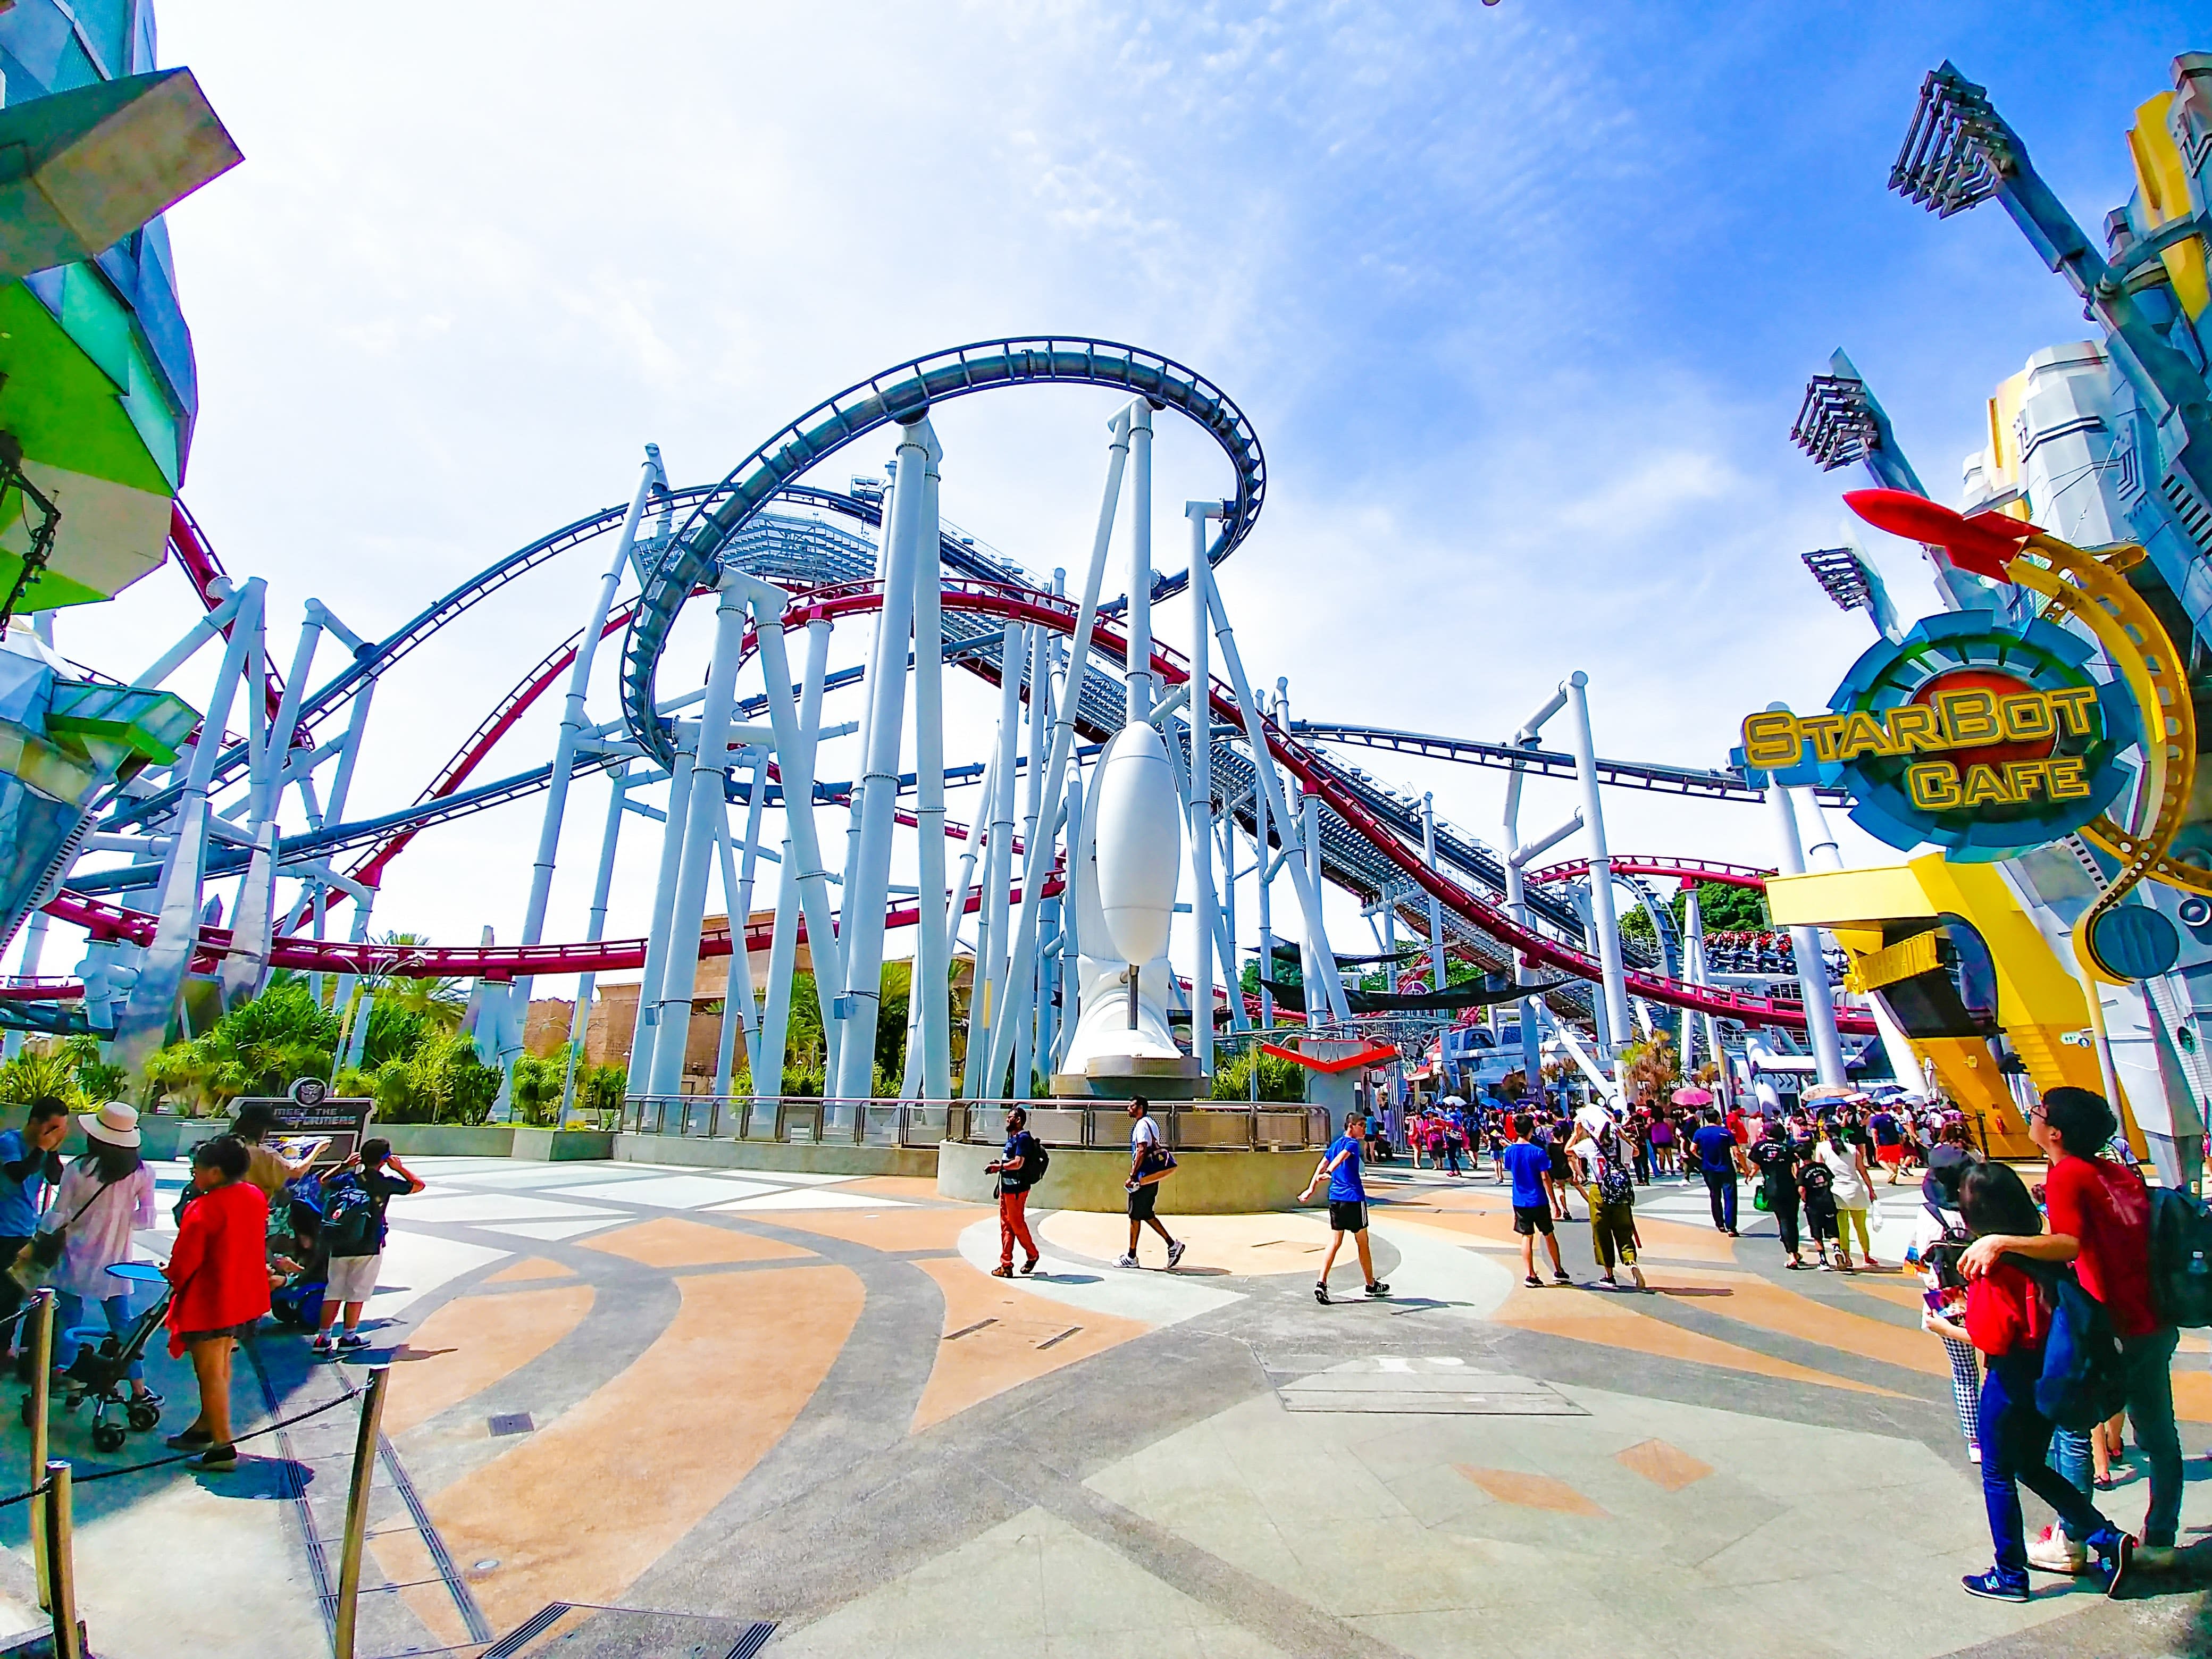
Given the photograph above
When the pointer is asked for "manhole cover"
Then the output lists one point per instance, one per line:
(511, 1423)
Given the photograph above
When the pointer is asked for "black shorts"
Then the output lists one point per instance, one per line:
(1349, 1217)
(1529, 1219)
(1142, 1200)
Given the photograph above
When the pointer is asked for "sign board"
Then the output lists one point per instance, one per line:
(1979, 734)
(308, 1111)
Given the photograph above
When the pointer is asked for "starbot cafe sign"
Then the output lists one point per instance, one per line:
(1981, 735)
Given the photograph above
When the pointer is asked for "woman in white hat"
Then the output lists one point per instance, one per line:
(103, 1197)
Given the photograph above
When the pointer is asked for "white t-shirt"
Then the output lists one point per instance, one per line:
(1851, 1193)
(1141, 1132)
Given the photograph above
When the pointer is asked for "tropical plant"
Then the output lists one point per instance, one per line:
(600, 1088)
(259, 1047)
(442, 1001)
(43, 1075)
(441, 1082)
(1280, 1078)
(1653, 1062)
(537, 1086)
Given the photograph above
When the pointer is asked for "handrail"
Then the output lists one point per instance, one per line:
(1079, 1123)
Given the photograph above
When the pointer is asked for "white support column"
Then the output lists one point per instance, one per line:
(1264, 869)
(1603, 922)
(988, 1009)
(931, 990)
(741, 970)
(1039, 722)
(1038, 857)
(737, 990)
(645, 1038)
(1203, 911)
(1805, 946)
(868, 886)
(1438, 968)
(1140, 661)
(1516, 904)
(602, 889)
(1824, 853)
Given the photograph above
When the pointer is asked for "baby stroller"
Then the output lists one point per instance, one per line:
(100, 1372)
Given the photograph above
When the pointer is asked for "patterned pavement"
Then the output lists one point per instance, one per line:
(647, 1410)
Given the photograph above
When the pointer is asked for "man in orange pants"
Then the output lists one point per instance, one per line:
(1019, 1169)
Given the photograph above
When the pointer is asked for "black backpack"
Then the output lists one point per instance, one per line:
(349, 1224)
(1035, 1161)
(2180, 1256)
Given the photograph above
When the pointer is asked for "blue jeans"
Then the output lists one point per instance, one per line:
(69, 1315)
(2015, 1439)
(1720, 1189)
(2150, 1408)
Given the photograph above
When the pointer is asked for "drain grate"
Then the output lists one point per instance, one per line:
(1427, 1387)
(628, 1631)
(511, 1423)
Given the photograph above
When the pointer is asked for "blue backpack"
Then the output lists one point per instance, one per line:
(2084, 1378)
(2180, 1257)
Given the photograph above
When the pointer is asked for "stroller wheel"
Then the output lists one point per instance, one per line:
(144, 1414)
(107, 1436)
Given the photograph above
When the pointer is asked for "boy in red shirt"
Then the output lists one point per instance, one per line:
(2007, 1319)
(2100, 1222)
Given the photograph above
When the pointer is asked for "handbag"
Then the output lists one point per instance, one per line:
(46, 1244)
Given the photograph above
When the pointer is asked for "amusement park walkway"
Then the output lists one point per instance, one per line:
(642, 1411)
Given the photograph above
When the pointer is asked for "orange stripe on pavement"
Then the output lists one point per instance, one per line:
(536, 1267)
(997, 1338)
(1757, 1302)
(671, 1241)
(882, 1230)
(577, 1510)
(471, 1342)
(1601, 1317)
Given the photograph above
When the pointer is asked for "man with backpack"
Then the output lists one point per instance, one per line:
(354, 1229)
(2100, 1221)
(1150, 1164)
(1019, 1168)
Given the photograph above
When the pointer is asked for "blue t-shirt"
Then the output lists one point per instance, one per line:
(1716, 1149)
(1345, 1186)
(1528, 1164)
(18, 1199)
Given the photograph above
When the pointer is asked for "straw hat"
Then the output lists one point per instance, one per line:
(114, 1123)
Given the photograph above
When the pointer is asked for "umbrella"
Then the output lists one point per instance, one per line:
(1830, 1091)
(1694, 1097)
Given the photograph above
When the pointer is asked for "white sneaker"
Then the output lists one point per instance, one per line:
(1129, 1260)
(2052, 1551)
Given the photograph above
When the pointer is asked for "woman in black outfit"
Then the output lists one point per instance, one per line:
(1776, 1162)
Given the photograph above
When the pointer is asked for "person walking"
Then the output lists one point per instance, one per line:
(353, 1233)
(1019, 1168)
(2100, 1217)
(103, 1197)
(1529, 1165)
(1888, 1135)
(1720, 1161)
(1851, 1186)
(1612, 1195)
(2007, 1319)
(1348, 1204)
(30, 1168)
(1775, 1161)
(220, 1275)
(1150, 1164)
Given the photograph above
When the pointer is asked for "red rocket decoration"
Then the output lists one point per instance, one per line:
(1982, 545)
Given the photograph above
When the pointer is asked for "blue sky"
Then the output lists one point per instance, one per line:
(1521, 299)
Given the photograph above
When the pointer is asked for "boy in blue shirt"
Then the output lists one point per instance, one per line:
(1348, 1203)
(1530, 1167)
(30, 1162)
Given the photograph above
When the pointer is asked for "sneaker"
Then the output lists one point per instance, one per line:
(1128, 1260)
(1378, 1288)
(2154, 1557)
(1533, 1282)
(353, 1339)
(1562, 1277)
(2052, 1551)
(1974, 1456)
(190, 1440)
(2116, 1550)
(324, 1345)
(1826, 1269)
(1321, 1291)
(1608, 1278)
(218, 1458)
(1993, 1588)
(1030, 1265)
(1175, 1252)
(1004, 1270)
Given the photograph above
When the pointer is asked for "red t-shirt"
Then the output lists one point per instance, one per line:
(2107, 1208)
(2003, 1311)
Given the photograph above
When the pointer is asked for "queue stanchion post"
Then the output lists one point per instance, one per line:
(34, 1413)
(61, 1560)
(356, 1522)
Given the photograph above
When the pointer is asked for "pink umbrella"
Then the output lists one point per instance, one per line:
(1694, 1097)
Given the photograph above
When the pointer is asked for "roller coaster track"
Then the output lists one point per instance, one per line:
(1714, 784)
(1727, 875)
(1006, 603)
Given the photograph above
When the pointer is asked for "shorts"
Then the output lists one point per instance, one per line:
(1142, 1200)
(1348, 1217)
(193, 1338)
(1529, 1219)
(1890, 1154)
(353, 1278)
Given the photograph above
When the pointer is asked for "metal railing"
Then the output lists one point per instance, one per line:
(1209, 1126)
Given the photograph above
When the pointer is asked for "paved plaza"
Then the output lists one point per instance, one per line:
(642, 1411)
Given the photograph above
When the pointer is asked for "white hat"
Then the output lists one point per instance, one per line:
(114, 1123)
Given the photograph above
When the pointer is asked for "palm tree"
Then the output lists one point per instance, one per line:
(441, 1000)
